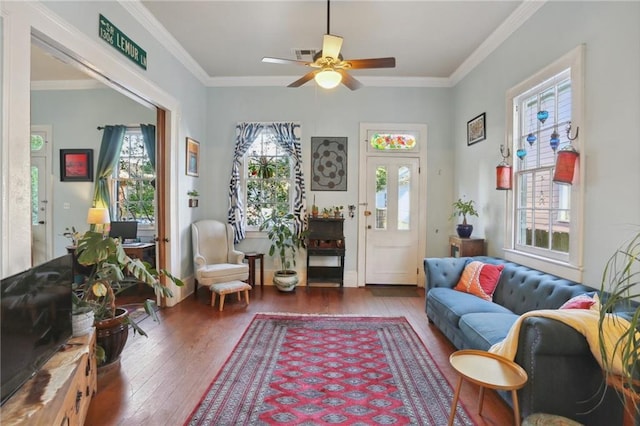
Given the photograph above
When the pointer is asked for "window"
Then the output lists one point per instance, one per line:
(267, 179)
(545, 217)
(134, 182)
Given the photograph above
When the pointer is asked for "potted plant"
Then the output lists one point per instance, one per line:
(284, 245)
(193, 197)
(108, 264)
(262, 167)
(337, 211)
(464, 208)
(619, 289)
(314, 211)
(326, 212)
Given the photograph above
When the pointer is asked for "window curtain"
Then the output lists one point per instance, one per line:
(288, 139)
(112, 138)
(246, 133)
(149, 138)
(287, 135)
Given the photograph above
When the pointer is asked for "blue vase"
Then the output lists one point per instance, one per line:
(464, 231)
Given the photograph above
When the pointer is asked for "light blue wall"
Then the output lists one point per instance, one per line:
(74, 116)
(611, 148)
(333, 113)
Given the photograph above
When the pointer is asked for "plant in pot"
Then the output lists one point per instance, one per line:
(337, 211)
(193, 197)
(108, 263)
(620, 292)
(284, 245)
(464, 208)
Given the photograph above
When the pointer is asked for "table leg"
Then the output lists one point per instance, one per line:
(252, 271)
(516, 409)
(454, 404)
(480, 399)
(261, 271)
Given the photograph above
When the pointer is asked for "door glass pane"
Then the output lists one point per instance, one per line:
(404, 198)
(381, 197)
(37, 142)
(392, 142)
(34, 195)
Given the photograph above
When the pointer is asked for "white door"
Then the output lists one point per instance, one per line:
(41, 244)
(391, 220)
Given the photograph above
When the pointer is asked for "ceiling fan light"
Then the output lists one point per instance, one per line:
(328, 78)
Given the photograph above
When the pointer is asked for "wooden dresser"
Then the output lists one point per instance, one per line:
(60, 392)
(326, 238)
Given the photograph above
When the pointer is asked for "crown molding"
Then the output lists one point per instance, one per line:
(280, 81)
(527, 9)
(151, 24)
(519, 16)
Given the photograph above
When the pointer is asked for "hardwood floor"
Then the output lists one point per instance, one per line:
(163, 377)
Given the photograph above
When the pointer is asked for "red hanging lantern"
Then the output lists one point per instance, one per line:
(565, 165)
(503, 176)
(503, 170)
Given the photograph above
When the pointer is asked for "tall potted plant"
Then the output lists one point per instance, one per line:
(464, 208)
(109, 263)
(620, 292)
(285, 242)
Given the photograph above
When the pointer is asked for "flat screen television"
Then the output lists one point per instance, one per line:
(35, 307)
(125, 230)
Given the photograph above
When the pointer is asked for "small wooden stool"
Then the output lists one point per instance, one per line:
(230, 287)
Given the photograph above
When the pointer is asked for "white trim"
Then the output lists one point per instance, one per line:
(519, 16)
(421, 131)
(67, 85)
(573, 268)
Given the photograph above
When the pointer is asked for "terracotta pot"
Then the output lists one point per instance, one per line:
(112, 334)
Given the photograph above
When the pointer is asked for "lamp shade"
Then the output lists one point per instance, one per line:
(503, 176)
(98, 216)
(328, 78)
(565, 165)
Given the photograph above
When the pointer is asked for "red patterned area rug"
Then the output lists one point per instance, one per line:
(328, 370)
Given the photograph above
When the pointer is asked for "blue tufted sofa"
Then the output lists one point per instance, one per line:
(564, 377)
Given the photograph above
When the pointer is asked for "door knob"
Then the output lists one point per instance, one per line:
(41, 222)
(368, 226)
(367, 213)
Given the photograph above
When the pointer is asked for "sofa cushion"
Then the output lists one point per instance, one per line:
(483, 329)
(479, 279)
(454, 304)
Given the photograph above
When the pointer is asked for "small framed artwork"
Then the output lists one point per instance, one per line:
(193, 157)
(76, 165)
(476, 129)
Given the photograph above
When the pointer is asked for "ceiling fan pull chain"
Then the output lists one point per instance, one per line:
(328, 16)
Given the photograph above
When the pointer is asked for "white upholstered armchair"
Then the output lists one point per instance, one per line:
(215, 259)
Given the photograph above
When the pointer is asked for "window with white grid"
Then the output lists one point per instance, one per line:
(545, 217)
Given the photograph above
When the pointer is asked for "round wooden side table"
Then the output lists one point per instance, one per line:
(487, 370)
(251, 258)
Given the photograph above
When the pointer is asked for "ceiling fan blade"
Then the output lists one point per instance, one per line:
(349, 81)
(285, 61)
(331, 46)
(372, 63)
(302, 80)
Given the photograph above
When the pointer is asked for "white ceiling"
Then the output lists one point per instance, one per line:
(224, 41)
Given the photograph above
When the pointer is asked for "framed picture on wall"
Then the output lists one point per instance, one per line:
(76, 165)
(476, 129)
(328, 163)
(193, 157)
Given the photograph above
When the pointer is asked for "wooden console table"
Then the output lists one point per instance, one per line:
(326, 238)
(60, 392)
(466, 247)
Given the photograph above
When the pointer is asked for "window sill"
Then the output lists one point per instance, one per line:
(558, 268)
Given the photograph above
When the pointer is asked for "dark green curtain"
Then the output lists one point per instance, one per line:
(149, 138)
(112, 138)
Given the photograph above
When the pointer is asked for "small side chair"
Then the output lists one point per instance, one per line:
(215, 259)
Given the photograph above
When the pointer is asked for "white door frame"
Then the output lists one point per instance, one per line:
(421, 129)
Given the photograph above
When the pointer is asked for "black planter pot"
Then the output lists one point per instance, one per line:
(464, 231)
(112, 335)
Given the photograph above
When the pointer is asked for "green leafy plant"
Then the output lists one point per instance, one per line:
(463, 208)
(108, 263)
(621, 289)
(284, 240)
(193, 193)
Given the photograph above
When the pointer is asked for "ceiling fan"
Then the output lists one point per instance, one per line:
(330, 68)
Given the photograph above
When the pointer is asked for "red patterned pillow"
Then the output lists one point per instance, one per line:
(582, 301)
(479, 279)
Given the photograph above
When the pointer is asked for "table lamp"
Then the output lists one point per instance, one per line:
(99, 217)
